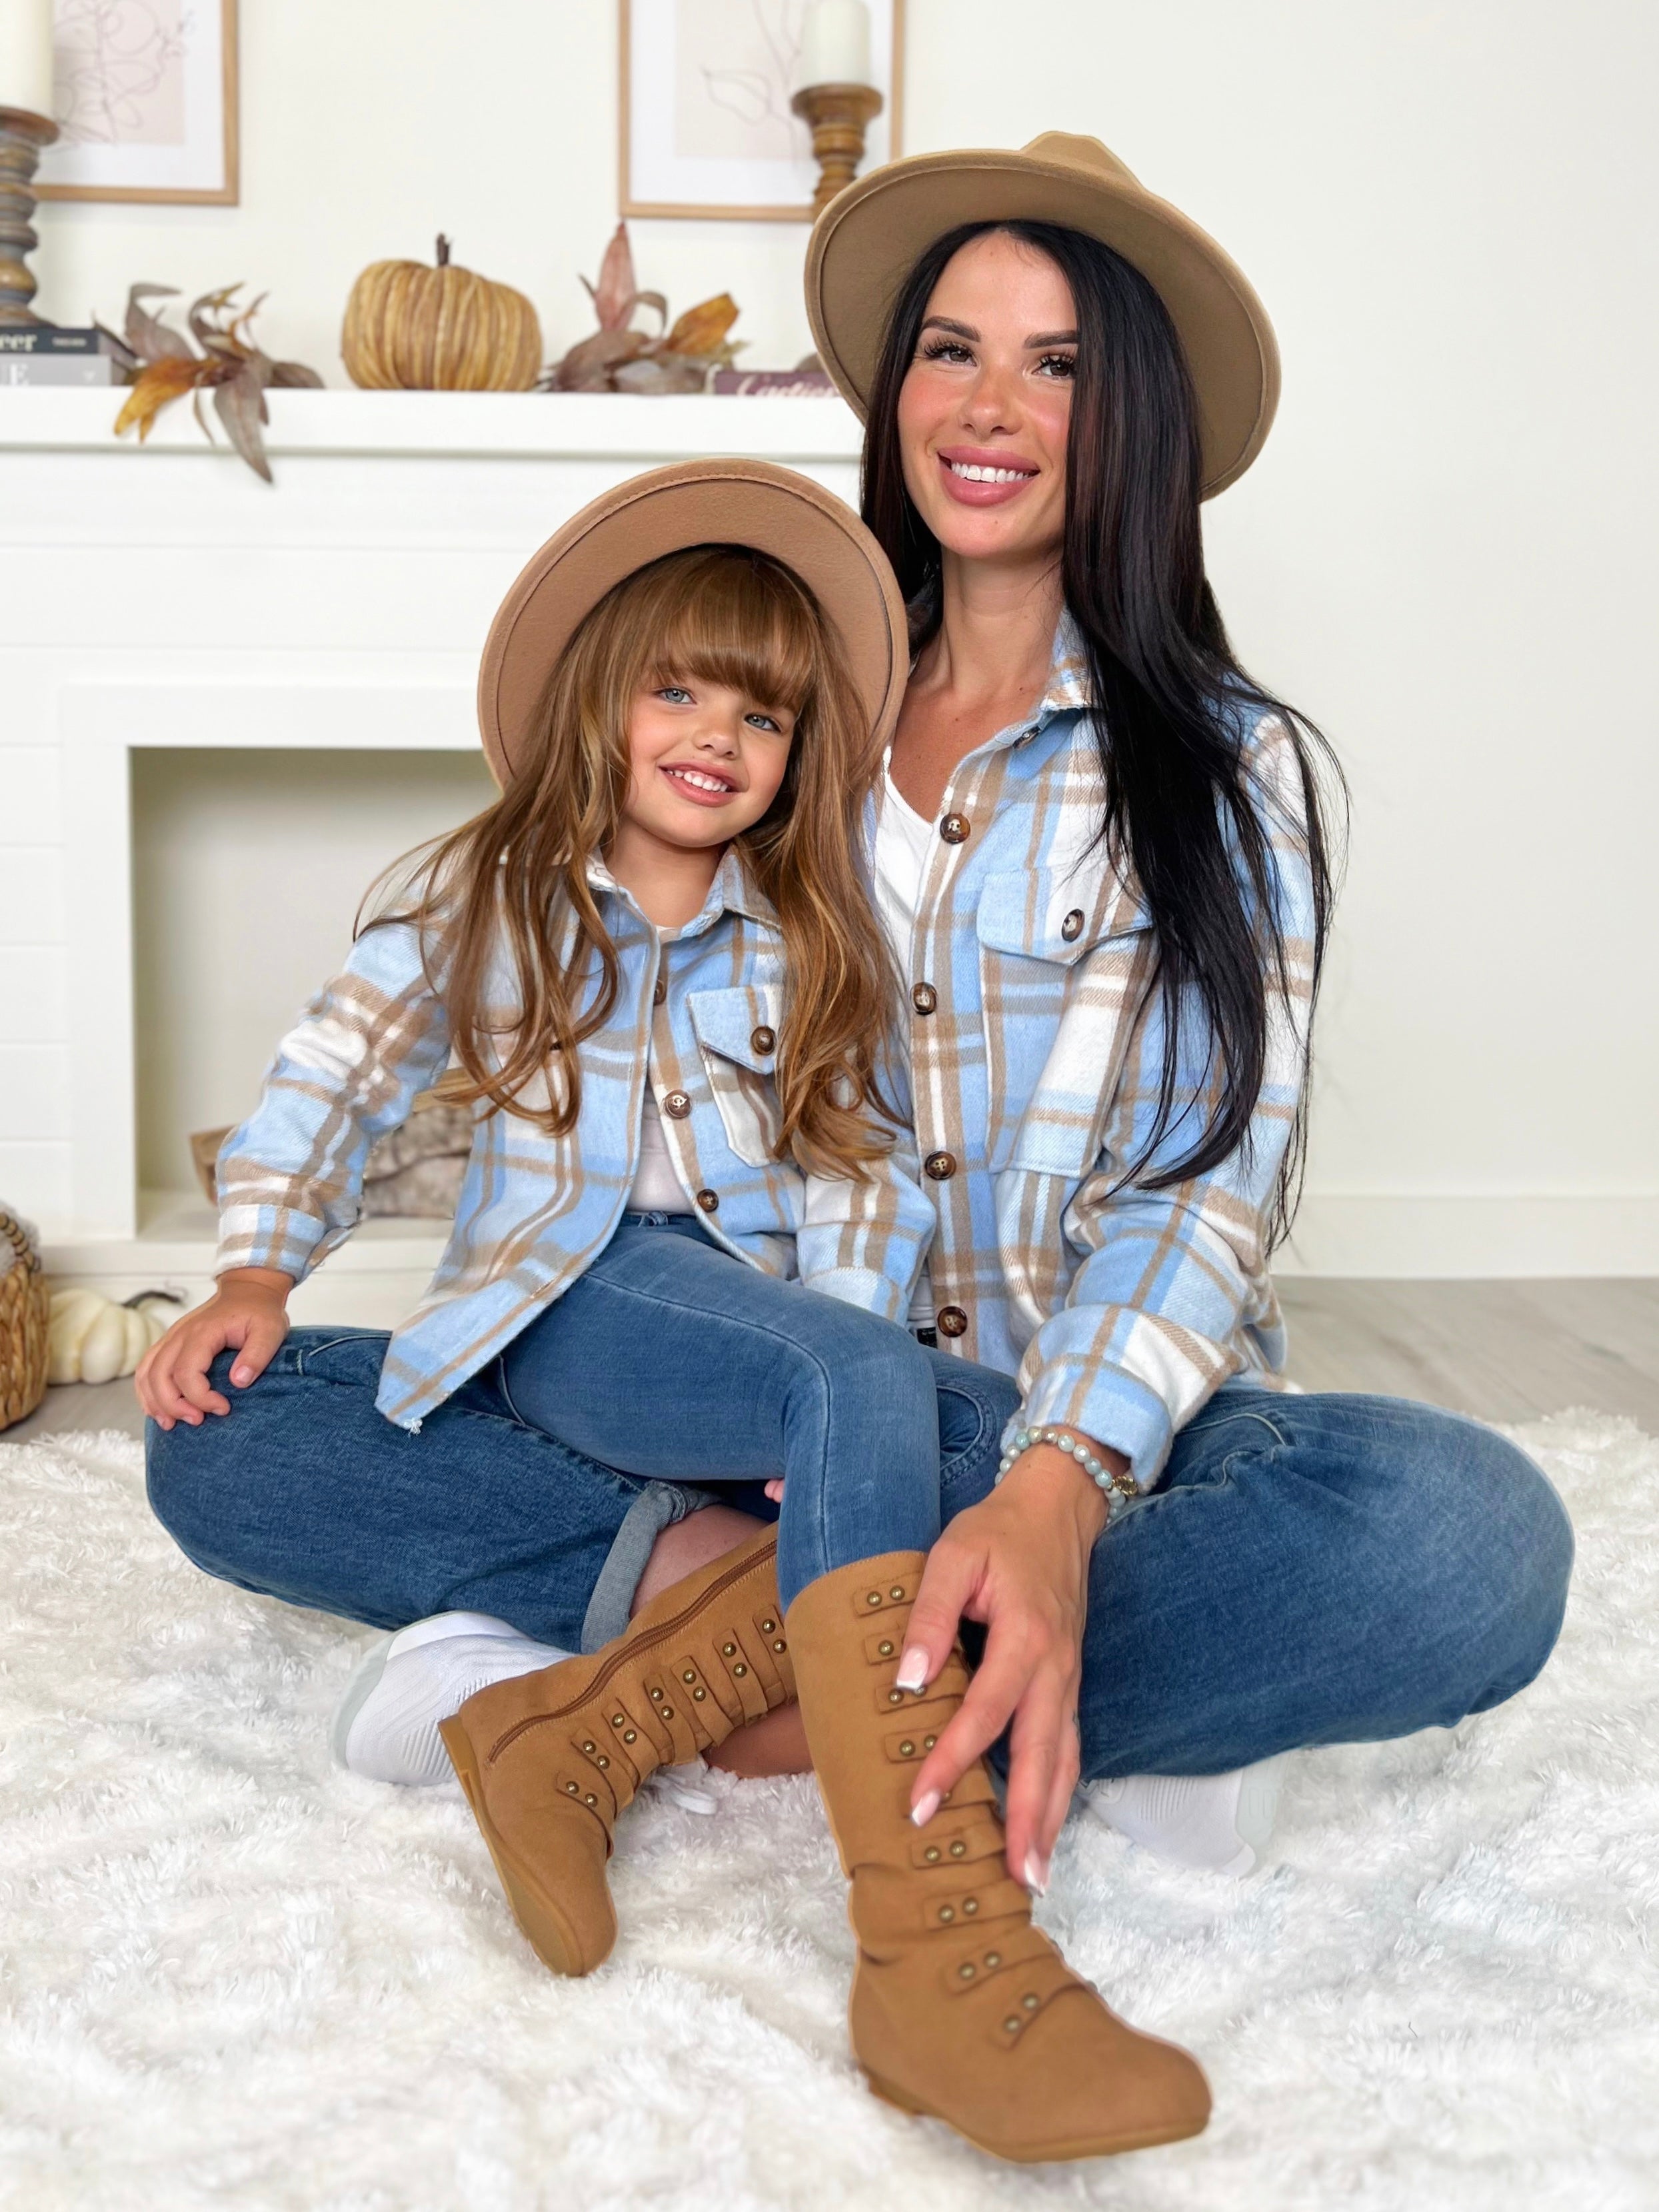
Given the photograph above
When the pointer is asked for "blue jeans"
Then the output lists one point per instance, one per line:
(1316, 1570)
(1308, 1570)
(670, 1359)
(304, 1492)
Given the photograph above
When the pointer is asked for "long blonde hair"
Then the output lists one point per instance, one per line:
(518, 872)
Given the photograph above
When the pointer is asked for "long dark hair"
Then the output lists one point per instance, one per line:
(1174, 707)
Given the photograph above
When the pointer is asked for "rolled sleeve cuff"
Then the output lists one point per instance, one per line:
(253, 1237)
(1114, 1408)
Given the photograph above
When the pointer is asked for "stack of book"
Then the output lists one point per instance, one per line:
(773, 383)
(40, 353)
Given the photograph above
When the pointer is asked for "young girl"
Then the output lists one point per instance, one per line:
(605, 955)
(687, 1233)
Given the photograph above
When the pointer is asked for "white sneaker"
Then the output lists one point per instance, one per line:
(1217, 1821)
(387, 1724)
(689, 1787)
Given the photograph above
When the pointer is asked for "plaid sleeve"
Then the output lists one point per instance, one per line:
(1151, 1324)
(290, 1178)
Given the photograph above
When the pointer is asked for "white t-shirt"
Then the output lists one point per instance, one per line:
(656, 1186)
(903, 842)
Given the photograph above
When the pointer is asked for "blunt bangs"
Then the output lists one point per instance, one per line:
(723, 614)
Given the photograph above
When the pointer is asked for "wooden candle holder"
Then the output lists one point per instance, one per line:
(23, 138)
(840, 114)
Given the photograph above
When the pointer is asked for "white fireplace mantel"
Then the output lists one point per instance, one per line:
(455, 425)
(165, 596)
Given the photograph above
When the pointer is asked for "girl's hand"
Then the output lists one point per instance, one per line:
(1018, 1561)
(247, 1312)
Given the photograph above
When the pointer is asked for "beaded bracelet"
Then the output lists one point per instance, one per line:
(1114, 1484)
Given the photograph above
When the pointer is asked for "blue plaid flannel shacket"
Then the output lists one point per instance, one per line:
(700, 1007)
(1036, 1039)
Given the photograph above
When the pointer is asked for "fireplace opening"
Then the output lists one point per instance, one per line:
(248, 868)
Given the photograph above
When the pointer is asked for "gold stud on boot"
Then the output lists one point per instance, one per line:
(550, 1760)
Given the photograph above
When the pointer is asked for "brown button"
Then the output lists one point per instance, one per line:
(941, 1166)
(925, 999)
(1071, 928)
(954, 829)
(677, 1105)
(660, 996)
(709, 1199)
(952, 1321)
(762, 1040)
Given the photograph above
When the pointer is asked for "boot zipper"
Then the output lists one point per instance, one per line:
(661, 1634)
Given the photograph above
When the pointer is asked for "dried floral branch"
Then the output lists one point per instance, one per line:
(230, 365)
(618, 358)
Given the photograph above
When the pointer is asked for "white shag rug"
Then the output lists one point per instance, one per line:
(235, 1977)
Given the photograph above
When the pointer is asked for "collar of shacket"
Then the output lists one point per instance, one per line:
(1068, 690)
(732, 892)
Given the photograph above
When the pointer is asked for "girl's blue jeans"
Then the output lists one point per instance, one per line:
(1307, 1570)
(670, 1359)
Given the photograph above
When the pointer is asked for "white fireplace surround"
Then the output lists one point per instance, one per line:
(165, 598)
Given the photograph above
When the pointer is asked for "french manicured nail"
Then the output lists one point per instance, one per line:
(1036, 1875)
(924, 1809)
(913, 1669)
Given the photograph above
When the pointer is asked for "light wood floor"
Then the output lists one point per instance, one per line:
(1504, 1352)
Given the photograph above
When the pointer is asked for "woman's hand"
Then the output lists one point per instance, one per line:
(247, 1312)
(1018, 1562)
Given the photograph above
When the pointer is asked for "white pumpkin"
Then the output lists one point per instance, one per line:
(91, 1338)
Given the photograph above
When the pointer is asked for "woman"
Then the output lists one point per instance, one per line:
(1103, 862)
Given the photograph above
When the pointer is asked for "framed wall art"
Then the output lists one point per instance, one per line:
(144, 96)
(706, 126)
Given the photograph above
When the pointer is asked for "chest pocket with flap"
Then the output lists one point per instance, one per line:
(1065, 955)
(738, 1034)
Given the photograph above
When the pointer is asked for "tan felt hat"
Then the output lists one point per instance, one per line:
(869, 236)
(718, 502)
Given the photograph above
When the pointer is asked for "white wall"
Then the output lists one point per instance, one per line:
(1445, 554)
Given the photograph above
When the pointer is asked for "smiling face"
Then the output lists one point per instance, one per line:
(985, 408)
(706, 762)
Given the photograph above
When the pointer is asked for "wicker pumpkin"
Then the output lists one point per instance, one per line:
(23, 1308)
(409, 328)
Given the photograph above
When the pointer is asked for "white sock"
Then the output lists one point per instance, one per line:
(1219, 1822)
(387, 1724)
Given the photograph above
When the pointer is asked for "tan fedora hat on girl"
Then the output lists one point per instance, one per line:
(869, 236)
(718, 502)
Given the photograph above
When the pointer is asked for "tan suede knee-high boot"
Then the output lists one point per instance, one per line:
(960, 2008)
(550, 1760)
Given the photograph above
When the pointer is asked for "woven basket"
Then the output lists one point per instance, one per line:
(23, 1314)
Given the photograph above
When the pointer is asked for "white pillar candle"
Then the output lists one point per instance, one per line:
(834, 44)
(26, 55)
